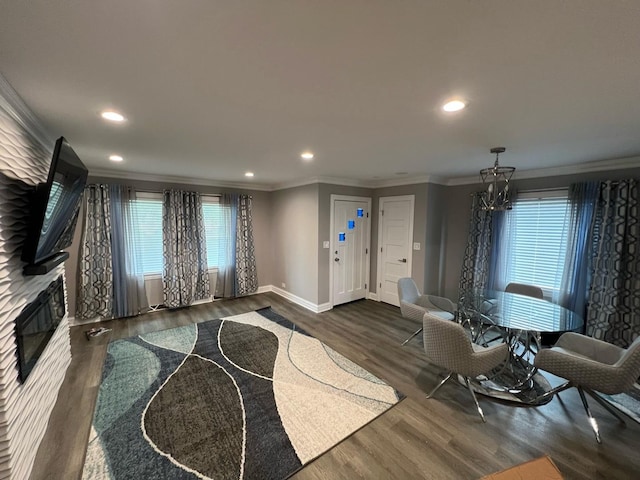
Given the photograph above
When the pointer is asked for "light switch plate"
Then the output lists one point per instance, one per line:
(416, 245)
(325, 244)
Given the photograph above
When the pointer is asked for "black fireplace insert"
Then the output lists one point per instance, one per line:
(36, 324)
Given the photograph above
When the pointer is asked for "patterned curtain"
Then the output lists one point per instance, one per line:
(476, 264)
(246, 274)
(185, 276)
(613, 311)
(95, 286)
(129, 295)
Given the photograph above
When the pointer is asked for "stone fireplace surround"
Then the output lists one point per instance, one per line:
(25, 155)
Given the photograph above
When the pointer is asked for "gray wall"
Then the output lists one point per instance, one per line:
(294, 239)
(261, 213)
(457, 201)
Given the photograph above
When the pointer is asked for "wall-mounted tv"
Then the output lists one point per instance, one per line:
(54, 211)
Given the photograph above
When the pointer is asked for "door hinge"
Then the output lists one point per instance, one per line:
(380, 285)
(365, 286)
(367, 214)
(366, 251)
(380, 249)
(382, 212)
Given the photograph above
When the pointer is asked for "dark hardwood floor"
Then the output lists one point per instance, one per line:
(440, 438)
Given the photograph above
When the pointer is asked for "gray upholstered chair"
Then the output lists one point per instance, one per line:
(447, 345)
(523, 289)
(591, 366)
(414, 305)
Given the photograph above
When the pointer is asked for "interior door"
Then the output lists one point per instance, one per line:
(395, 237)
(350, 249)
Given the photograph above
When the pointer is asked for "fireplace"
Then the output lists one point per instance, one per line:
(36, 324)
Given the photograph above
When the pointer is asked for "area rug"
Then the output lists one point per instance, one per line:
(628, 402)
(245, 397)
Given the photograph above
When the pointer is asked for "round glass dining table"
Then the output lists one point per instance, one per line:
(519, 321)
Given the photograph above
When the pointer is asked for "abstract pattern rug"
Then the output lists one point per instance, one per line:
(245, 397)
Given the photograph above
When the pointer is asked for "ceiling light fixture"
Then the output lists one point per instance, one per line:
(496, 181)
(116, 158)
(112, 116)
(306, 155)
(248, 174)
(454, 106)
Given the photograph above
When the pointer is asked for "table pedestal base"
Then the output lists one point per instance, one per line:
(526, 394)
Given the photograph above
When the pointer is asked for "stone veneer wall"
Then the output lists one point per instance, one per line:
(25, 155)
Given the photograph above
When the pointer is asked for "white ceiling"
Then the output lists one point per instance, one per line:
(212, 89)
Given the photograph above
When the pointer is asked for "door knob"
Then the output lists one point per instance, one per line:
(336, 259)
(403, 260)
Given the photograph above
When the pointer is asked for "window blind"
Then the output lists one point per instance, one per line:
(538, 241)
(148, 228)
(213, 216)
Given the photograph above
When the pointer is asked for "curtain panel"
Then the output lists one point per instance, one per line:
(246, 273)
(95, 284)
(478, 264)
(129, 295)
(185, 276)
(613, 312)
(226, 252)
(576, 277)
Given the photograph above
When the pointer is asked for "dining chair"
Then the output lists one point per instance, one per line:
(413, 305)
(447, 345)
(523, 289)
(591, 366)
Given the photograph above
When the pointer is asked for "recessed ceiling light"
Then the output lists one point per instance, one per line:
(454, 106)
(112, 116)
(248, 174)
(306, 155)
(115, 158)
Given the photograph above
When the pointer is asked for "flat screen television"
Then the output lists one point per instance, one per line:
(54, 211)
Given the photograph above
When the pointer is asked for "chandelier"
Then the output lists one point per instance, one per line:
(496, 181)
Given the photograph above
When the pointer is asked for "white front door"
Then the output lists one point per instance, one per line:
(395, 241)
(349, 248)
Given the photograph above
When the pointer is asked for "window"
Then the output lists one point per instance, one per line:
(147, 212)
(148, 218)
(214, 217)
(535, 240)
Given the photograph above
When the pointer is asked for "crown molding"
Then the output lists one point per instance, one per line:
(347, 182)
(396, 182)
(15, 107)
(95, 172)
(573, 169)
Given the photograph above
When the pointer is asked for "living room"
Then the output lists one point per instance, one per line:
(211, 93)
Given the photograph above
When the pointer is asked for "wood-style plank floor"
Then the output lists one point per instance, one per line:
(440, 438)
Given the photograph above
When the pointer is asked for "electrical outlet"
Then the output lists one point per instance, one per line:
(284, 285)
(325, 244)
(416, 245)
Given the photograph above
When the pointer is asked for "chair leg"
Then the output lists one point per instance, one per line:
(414, 334)
(473, 395)
(592, 420)
(552, 392)
(429, 395)
(607, 406)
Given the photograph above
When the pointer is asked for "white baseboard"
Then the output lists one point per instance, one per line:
(265, 289)
(373, 296)
(314, 307)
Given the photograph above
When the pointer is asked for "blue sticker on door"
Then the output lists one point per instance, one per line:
(360, 212)
(351, 224)
(342, 237)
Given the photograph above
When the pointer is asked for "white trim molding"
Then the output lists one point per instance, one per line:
(373, 296)
(314, 307)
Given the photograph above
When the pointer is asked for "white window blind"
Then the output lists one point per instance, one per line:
(537, 240)
(148, 222)
(214, 216)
